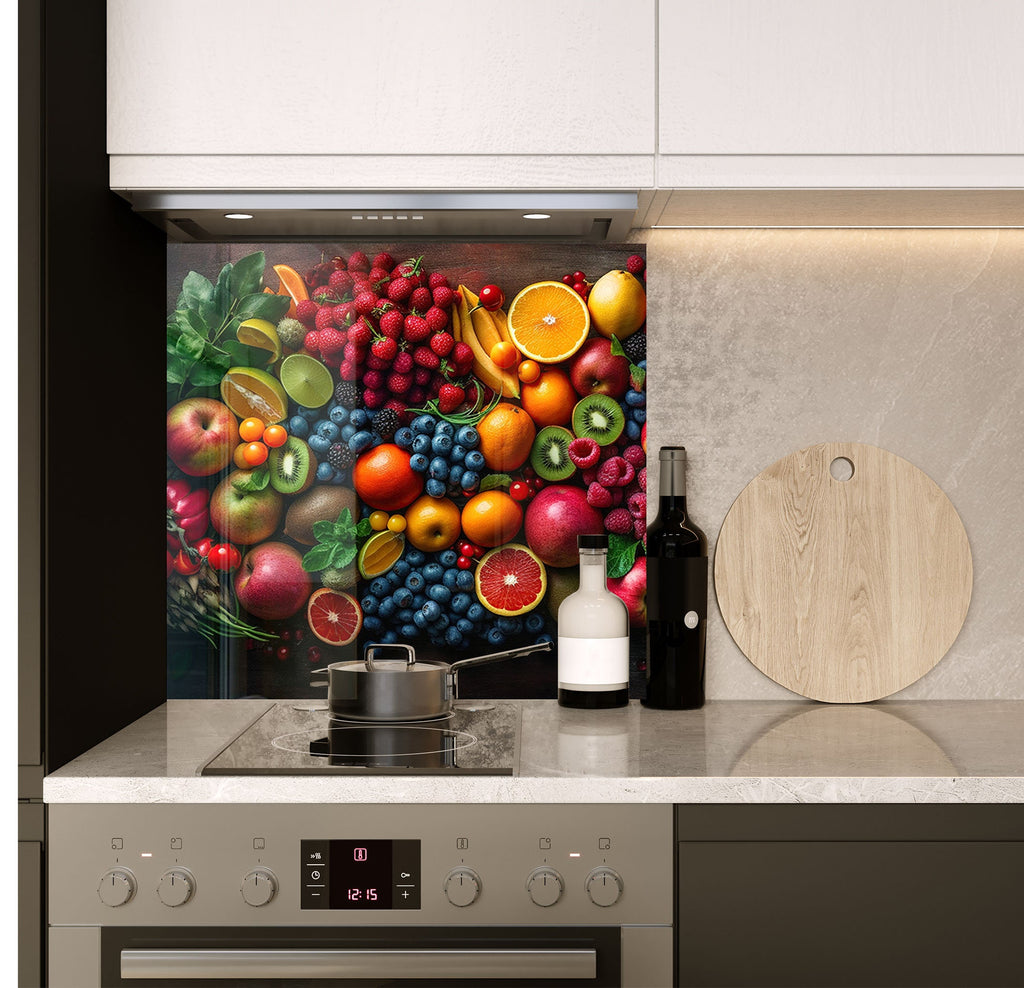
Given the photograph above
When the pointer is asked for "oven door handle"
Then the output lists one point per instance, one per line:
(441, 965)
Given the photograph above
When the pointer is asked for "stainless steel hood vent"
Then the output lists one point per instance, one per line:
(383, 215)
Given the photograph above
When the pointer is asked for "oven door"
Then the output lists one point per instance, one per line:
(399, 956)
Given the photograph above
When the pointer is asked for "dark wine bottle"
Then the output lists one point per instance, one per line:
(677, 594)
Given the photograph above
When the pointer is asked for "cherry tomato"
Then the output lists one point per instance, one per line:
(275, 435)
(519, 490)
(184, 564)
(396, 523)
(491, 297)
(505, 354)
(255, 454)
(251, 429)
(225, 558)
(203, 547)
(378, 520)
(529, 371)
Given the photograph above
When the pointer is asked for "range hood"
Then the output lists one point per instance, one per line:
(190, 216)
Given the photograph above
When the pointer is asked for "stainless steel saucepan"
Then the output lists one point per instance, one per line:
(391, 690)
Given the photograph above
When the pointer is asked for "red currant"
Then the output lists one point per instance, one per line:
(519, 490)
(578, 276)
(463, 562)
(282, 652)
(537, 483)
(466, 548)
(579, 288)
(567, 278)
(313, 653)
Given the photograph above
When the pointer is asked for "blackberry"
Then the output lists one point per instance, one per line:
(636, 347)
(347, 393)
(340, 456)
(385, 423)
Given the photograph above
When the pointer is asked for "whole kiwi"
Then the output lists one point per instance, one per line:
(324, 502)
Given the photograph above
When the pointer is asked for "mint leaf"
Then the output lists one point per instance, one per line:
(342, 554)
(617, 350)
(256, 481)
(621, 554)
(637, 377)
(323, 531)
(363, 529)
(495, 480)
(318, 558)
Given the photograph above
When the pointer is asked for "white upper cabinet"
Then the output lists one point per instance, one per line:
(408, 77)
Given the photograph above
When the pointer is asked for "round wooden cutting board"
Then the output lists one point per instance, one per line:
(843, 590)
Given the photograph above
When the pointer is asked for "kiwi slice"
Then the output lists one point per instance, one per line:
(550, 453)
(292, 466)
(598, 417)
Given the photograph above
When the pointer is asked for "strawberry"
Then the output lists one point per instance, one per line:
(305, 312)
(462, 354)
(420, 299)
(364, 303)
(332, 341)
(449, 398)
(415, 328)
(312, 342)
(437, 280)
(325, 295)
(411, 270)
(360, 333)
(377, 277)
(441, 343)
(399, 289)
(437, 318)
(324, 318)
(391, 323)
(343, 314)
(384, 260)
(424, 356)
(340, 282)
(384, 348)
(403, 363)
(444, 297)
(358, 261)
(398, 384)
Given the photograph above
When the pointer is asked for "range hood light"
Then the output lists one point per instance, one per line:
(536, 216)
(238, 216)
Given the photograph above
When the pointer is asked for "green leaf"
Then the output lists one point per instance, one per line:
(617, 350)
(240, 355)
(263, 305)
(256, 481)
(189, 346)
(205, 375)
(342, 554)
(177, 369)
(247, 274)
(622, 552)
(364, 530)
(318, 558)
(323, 531)
(637, 377)
(192, 321)
(196, 289)
(494, 481)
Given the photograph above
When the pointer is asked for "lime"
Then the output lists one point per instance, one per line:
(253, 393)
(261, 334)
(307, 381)
(379, 553)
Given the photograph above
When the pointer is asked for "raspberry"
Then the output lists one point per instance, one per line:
(635, 264)
(637, 505)
(398, 407)
(444, 297)
(358, 261)
(425, 357)
(305, 312)
(331, 341)
(378, 277)
(312, 342)
(635, 346)
(346, 394)
(384, 348)
(399, 289)
(415, 328)
(374, 398)
(324, 318)
(607, 452)
(340, 282)
(416, 396)
(403, 362)
(619, 520)
(365, 303)
(343, 314)
(391, 323)
(437, 318)
(340, 456)
(385, 422)
(384, 260)
(347, 370)
(423, 376)
(437, 280)
(584, 453)
(598, 496)
(642, 478)
(375, 363)
(442, 343)
(354, 353)
(635, 455)
(325, 296)
(615, 472)
(360, 333)
(589, 476)
(398, 384)
(640, 530)
(421, 299)
(373, 379)
(617, 497)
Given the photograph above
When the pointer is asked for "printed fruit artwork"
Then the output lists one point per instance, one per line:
(365, 446)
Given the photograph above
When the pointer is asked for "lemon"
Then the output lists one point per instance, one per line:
(617, 304)
(253, 393)
(261, 334)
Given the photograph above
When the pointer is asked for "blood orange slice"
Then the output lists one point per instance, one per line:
(511, 580)
(335, 617)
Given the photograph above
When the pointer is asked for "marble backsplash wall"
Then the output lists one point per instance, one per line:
(766, 341)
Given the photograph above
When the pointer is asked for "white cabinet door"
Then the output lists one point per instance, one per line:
(409, 77)
(841, 77)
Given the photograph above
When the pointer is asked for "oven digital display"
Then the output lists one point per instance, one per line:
(360, 874)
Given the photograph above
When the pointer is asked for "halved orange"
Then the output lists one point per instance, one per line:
(292, 283)
(548, 321)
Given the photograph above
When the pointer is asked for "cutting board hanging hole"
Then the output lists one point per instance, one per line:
(841, 468)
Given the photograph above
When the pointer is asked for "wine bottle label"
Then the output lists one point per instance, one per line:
(592, 664)
(677, 589)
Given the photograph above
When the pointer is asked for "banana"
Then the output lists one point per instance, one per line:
(499, 381)
(483, 325)
(501, 321)
(456, 324)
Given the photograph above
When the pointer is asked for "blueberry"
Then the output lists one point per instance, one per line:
(329, 430)
(414, 581)
(470, 480)
(510, 625)
(387, 608)
(309, 414)
(408, 630)
(632, 431)
(465, 580)
(389, 637)
(372, 623)
(449, 579)
(637, 399)
(380, 587)
(324, 472)
(455, 474)
(418, 600)
(393, 578)
(448, 558)
(440, 593)
(453, 637)
(534, 622)
(433, 572)
(435, 488)
(340, 477)
(402, 597)
(424, 425)
(298, 427)
(441, 444)
(419, 463)
(320, 445)
(369, 604)
(639, 415)
(338, 415)
(457, 454)
(414, 558)
(643, 364)
(476, 611)
(348, 431)
(441, 622)
(444, 428)
(402, 568)
(468, 436)
(359, 418)
(474, 460)
(405, 614)
(495, 636)
(431, 610)
(465, 626)
(404, 437)
(460, 603)
(439, 468)
(420, 620)
(360, 441)
(421, 444)
(544, 638)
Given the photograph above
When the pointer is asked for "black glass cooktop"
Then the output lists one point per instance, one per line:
(298, 738)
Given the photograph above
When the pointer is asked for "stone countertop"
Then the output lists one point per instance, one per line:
(967, 751)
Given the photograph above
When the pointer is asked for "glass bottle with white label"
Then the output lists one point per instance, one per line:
(593, 636)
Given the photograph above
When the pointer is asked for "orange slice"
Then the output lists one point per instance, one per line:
(548, 321)
(292, 283)
(253, 393)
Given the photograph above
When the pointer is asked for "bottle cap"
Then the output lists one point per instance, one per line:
(592, 541)
(672, 453)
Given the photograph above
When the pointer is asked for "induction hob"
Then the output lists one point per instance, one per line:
(295, 737)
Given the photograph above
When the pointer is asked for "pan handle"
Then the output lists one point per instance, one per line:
(511, 653)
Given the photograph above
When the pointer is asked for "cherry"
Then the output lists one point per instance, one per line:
(578, 276)
(519, 490)
(464, 562)
(313, 653)
(282, 652)
(466, 548)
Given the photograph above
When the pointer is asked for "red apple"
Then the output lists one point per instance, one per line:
(242, 516)
(202, 434)
(596, 370)
(271, 583)
(555, 516)
(631, 589)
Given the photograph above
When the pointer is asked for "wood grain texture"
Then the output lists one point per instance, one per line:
(843, 591)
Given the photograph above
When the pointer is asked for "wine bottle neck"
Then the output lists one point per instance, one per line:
(672, 480)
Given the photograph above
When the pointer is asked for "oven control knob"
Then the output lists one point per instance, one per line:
(545, 886)
(176, 887)
(604, 887)
(117, 887)
(462, 886)
(259, 886)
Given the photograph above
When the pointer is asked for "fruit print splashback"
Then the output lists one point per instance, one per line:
(397, 442)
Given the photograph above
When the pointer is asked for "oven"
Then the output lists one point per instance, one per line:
(402, 895)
